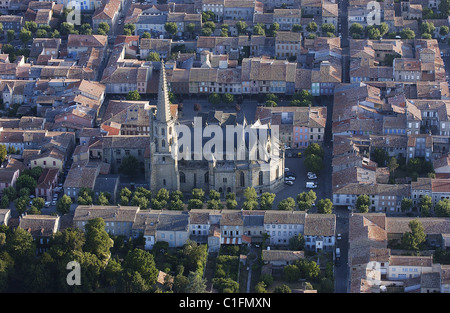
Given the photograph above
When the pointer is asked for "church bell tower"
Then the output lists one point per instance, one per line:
(164, 163)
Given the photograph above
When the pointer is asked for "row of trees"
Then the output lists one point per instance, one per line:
(357, 31)
(302, 99)
(425, 205)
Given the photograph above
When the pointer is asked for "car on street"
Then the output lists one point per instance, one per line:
(311, 185)
(47, 204)
(289, 182)
(312, 176)
(290, 174)
(53, 202)
(339, 237)
(289, 178)
(286, 169)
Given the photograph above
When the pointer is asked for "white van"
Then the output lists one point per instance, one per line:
(311, 184)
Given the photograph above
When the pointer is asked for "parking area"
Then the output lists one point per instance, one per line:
(297, 167)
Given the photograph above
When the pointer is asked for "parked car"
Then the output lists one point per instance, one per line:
(289, 178)
(53, 202)
(312, 176)
(289, 182)
(339, 237)
(290, 174)
(286, 169)
(47, 204)
(311, 185)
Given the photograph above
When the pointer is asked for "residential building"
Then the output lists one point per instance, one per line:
(118, 219)
(288, 44)
(281, 226)
(47, 183)
(42, 228)
(8, 177)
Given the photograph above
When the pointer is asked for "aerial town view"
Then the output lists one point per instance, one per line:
(251, 147)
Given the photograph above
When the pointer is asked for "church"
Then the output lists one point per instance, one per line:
(175, 166)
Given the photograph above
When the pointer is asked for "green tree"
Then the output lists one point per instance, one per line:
(10, 35)
(325, 206)
(443, 30)
(260, 287)
(20, 244)
(206, 31)
(356, 28)
(176, 195)
(297, 28)
(374, 33)
(315, 149)
(258, 30)
(413, 239)
(125, 192)
(171, 28)
(282, 289)
(215, 99)
(129, 165)
(227, 98)
(297, 243)
(153, 56)
(266, 200)
(133, 96)
(198, 193)
(85, 196)
(25, 35)
(41, 33)
(195, 204)
(406, 204)
(407, 33)
(241, 28)
(425, 205)
(66, 28)
(287, 204)
(26, 181)
(9, 192)
(3, 153)
(305, 200)
(30, 26)
(442, 208)
(328, 28)
(312, 27)
(380, 156)
(146, 35)
(141, 262)
(313, 163)
(98, 241)
(102, 199)
(270, 103)
(273, 29)
(104, 27)
(38, 203)
(427, 28)
(384, 28)
(197, 284)
(86, 29)
(362, 203)
(291, 273)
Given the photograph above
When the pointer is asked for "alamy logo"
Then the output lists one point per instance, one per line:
(374, 16)
(74, 16)
(74, 276)
(232, 142)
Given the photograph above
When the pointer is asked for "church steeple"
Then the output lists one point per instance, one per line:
(163, 105)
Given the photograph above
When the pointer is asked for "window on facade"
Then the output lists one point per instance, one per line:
(260, 178)
(242, 179)
(182, 178)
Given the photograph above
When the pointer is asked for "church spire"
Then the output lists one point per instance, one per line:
(163, 105)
